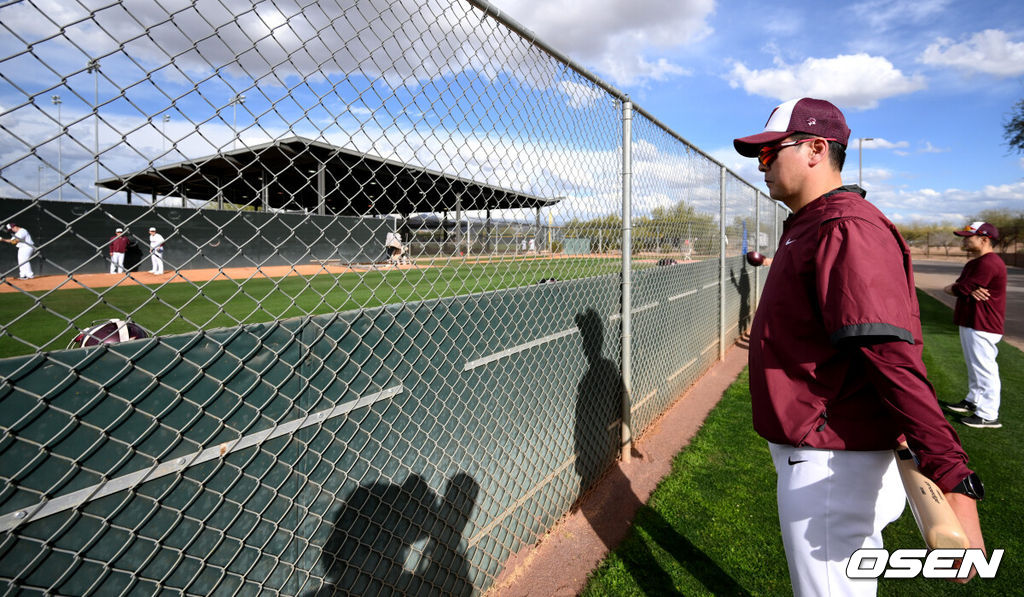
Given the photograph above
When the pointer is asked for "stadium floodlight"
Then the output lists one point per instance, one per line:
(94, 68)
(167, 118)
(55, 99)
(239, 99)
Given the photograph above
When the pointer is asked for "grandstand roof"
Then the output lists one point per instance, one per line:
(284, 174)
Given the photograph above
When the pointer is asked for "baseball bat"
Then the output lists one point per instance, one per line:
(939, 526)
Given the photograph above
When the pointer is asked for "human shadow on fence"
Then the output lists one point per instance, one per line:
(742, 286)
(400, 539)
(598, 400)
(611, 507)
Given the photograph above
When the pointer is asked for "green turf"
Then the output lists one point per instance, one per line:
(711, 526)
(50, 320)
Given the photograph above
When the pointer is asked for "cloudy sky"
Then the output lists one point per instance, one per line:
(434, 83)
(932, 81)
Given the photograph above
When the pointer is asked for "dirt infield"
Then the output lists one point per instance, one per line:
(65, 282)
(69, 281)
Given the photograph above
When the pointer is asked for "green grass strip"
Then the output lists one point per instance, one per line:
(711, 527)
(51, 319)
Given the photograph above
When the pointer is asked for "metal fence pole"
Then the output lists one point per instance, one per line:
(94, 69)
(757, 247)
(721, 265)
(775, 228)
(627, 250)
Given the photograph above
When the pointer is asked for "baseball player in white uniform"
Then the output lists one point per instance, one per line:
(26, 248)
(156, 247)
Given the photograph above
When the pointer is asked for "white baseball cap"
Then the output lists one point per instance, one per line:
(119, 230)
(152, 229)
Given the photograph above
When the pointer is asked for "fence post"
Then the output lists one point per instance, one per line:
(721, 265)
(627, 282)
(775, 227)
(757, 247)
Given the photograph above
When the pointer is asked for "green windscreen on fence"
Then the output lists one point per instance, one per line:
(332, 298)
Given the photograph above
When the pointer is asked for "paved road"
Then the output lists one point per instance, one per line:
(933, 276)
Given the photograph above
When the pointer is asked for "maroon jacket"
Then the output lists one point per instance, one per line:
(835, 346)
(987, 271)
(118, 244)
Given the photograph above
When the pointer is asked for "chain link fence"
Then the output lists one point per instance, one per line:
(315, 298)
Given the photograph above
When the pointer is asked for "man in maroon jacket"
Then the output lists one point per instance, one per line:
(836, 374)
(118, 247)
(980, 312)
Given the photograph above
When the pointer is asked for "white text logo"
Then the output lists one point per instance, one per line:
(908, 563)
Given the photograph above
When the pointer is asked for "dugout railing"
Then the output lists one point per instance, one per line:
(311, 419)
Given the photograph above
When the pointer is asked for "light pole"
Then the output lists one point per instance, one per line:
(167, 117)
(239, 99)
(60, 152)
(860, 160)
(94, 68)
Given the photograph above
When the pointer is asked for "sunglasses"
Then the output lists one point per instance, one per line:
(767, 155)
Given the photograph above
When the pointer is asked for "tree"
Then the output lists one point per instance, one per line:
(1013, 129)
(605, 232)
(663, 229)
(929, 234)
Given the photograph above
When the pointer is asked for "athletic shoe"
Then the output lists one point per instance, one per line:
(961, 407)
(979, 423)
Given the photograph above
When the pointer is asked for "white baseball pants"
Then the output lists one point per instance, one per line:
(983, 386)
(157, 259)
(117, 263)
(25, 260)
(832, 503)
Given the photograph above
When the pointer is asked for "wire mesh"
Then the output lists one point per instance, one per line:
(676, 232)
(741, 236)
(326, 297)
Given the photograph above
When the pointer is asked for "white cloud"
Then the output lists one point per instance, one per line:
(929, 148)
(851, 81)
(990, 52)
(617, 37)
(579, 95)
(400, 40)
(872, 176)
(880, 143)
(884, 14)
(630, 70)
(906, 205)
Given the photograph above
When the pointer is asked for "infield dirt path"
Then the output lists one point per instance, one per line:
(105, 280)
(185, 275)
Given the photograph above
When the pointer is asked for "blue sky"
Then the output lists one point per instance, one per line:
(931, 80)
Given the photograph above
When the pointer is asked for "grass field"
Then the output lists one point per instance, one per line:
(51, 320)
(711, 527)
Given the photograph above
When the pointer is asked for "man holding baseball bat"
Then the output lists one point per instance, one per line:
(836, 376)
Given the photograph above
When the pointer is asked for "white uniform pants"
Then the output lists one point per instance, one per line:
(158, 262)
(983, 387)
(831, 503)
(117, 263)
(25, 260)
